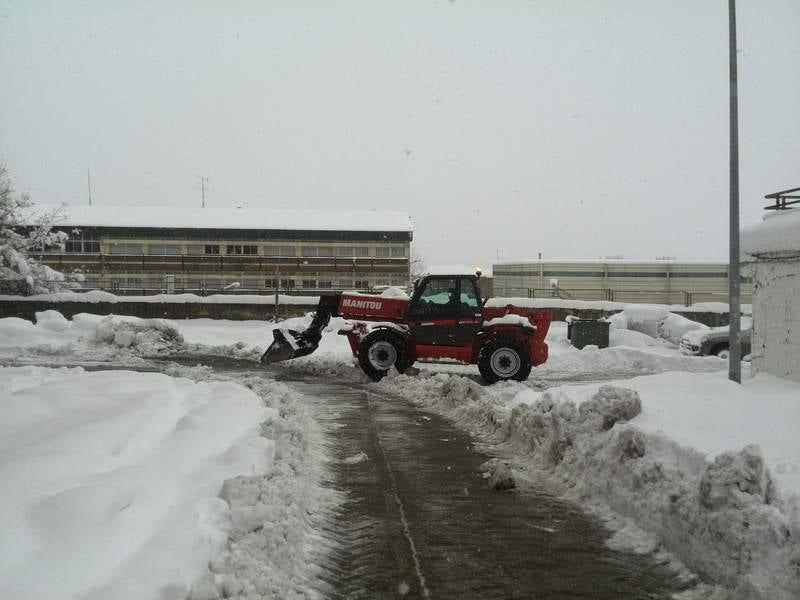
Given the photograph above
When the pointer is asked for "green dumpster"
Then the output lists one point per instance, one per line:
(587, 332)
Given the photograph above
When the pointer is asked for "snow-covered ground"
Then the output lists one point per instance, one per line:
(675, 456)
(144, 485)
(113, 478)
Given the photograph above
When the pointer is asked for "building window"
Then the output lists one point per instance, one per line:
(125, 248)
(79, 244)
(320, 251)
(352, 252)
(241, 249)
(212, 249)
(164, 249)
(279, 251)
(390, 252)
(309, 284)
(281, 284)
(126, 282)
(350, 284)
(90, 281)
(208, 285)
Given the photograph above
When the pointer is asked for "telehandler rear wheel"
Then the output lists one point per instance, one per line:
(380, 351)
(504, 358)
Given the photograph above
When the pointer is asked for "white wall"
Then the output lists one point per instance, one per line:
(776, 318)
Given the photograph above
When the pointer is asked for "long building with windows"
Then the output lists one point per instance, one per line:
(636, 281)
(204, 250)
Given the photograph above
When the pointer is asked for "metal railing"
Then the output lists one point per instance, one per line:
(783, 199)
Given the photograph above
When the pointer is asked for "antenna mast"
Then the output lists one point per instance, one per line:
(203, 181)
(89, 182)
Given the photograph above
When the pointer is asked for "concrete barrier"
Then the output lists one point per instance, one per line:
(26, 309)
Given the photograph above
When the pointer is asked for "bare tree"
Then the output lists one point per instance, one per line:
(417, 265)
(23, 230)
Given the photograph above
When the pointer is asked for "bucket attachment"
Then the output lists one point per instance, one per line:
(288, 344)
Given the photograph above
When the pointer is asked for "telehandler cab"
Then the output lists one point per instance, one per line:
(445, 319)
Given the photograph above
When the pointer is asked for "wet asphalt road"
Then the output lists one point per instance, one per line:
(421, 522)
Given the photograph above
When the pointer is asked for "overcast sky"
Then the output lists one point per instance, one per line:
(505, 128)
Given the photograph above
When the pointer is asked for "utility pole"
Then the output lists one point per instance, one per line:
(734, 278)
(203, 181)
(89, 182)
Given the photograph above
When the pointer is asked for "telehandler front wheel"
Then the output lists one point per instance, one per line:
(504, 358)
(380, 351)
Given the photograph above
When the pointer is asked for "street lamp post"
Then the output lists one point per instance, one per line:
(734, 278)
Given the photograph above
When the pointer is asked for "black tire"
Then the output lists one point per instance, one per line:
(504, 358)
(380, 351)
(721, 350)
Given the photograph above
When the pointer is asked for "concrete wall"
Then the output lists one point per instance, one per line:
(26, 309)
(776, 318)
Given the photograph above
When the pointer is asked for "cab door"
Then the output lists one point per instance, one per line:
(432, 314)
(470, 312)
(445, 312)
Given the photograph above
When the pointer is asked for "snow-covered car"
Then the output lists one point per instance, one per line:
(715, 341)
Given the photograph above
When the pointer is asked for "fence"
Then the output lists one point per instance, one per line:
(674, 297)
(19, 287)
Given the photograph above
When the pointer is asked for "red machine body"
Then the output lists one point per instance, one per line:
(445, 319)
(435, 335)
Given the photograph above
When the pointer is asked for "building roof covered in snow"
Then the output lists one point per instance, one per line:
(181, 217)
(777, 235)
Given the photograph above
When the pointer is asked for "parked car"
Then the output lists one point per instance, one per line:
(715, 341)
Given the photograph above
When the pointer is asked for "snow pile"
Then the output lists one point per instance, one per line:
(146, 336)
(115, 477)
(778, 233)
(88, 337)
(276, 549)
(700, 467)
(510, 319)
(632, 339)
(631, 353)
(52, 320)
(394, 292)
(654, 321)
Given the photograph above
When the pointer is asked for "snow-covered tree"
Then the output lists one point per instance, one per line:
(21, 230)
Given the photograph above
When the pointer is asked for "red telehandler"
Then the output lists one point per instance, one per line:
(444, 319)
